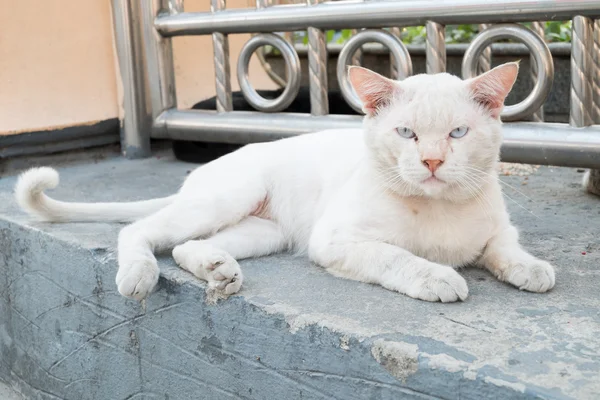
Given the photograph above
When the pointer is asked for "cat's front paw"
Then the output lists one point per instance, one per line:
(439, 283)
(217, 267)
(137, 279)
(532, 275)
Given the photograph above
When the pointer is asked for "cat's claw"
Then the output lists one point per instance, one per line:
(217, 267)
(226, 276)
(533, 275)
(440, 284)
(138, 279)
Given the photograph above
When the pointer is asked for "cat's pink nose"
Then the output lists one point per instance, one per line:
(432, 165)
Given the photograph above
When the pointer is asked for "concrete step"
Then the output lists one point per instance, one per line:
(294, 331)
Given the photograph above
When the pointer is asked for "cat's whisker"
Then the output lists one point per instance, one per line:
(389, 184)
(499, 180)
(520, 205)
(504, 193)
(478, 195)
(392, 180)
(480, 192)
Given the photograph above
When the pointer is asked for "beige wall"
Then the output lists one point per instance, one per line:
(57, 64)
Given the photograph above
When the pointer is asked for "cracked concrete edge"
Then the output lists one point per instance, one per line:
(410, 370)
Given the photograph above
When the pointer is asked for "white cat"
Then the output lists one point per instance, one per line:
(399, 203)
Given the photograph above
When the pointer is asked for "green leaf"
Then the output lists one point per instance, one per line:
(346, 34)
(329, 36)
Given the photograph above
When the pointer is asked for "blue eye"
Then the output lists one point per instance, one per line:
(406, 133)
(459, 132)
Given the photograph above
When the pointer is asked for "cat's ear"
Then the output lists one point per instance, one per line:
(374, 90)
(490, 89)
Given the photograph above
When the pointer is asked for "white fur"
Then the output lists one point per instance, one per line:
(29, 193)
(359, 202)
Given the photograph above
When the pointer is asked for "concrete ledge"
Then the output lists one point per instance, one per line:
(294, 331)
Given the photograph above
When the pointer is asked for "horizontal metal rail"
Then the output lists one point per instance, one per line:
(244, 126)
(524, 142)
(352, 14)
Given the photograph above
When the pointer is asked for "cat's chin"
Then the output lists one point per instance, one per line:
(433, 187)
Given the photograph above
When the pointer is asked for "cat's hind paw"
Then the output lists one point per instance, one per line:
(533, 275)
(217, 267)
(138, 279)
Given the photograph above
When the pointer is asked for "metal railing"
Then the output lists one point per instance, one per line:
(152, 102)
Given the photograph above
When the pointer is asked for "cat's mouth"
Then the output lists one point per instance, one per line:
(433, 180)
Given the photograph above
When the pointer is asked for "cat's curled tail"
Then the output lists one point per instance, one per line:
(29, 192)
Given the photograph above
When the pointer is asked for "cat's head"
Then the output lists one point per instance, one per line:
(436, 136)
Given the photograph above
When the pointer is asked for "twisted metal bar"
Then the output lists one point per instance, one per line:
(317, 69)
(357, 57)
(260, 54)
(596, 71)
(222, 69)
(393, 70)
(593, 183)
(485, 60)
(175, 6)
(581, 72)
(538, 28)
(435, 48)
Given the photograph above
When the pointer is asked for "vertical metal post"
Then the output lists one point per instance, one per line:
(435, 49)
(393, 70)
(357, 57)
(596, 71)
(537, 27)
(135, 111)
(222, 68)
(317, 69)
(260, 53)
(582, 44)
(159, 59)
(485, 61)
(175, 6)
(594, 177)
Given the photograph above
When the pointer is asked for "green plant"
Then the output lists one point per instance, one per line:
(555, 31)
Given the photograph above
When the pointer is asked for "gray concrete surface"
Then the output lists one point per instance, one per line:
(7, 393)
(294, 331)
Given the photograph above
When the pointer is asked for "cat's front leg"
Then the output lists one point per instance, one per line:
(505, 258)
(389, 266)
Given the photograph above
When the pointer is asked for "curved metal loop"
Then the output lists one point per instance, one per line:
(540, 52)
(399, 52)
(292, 65)
(260, 54)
